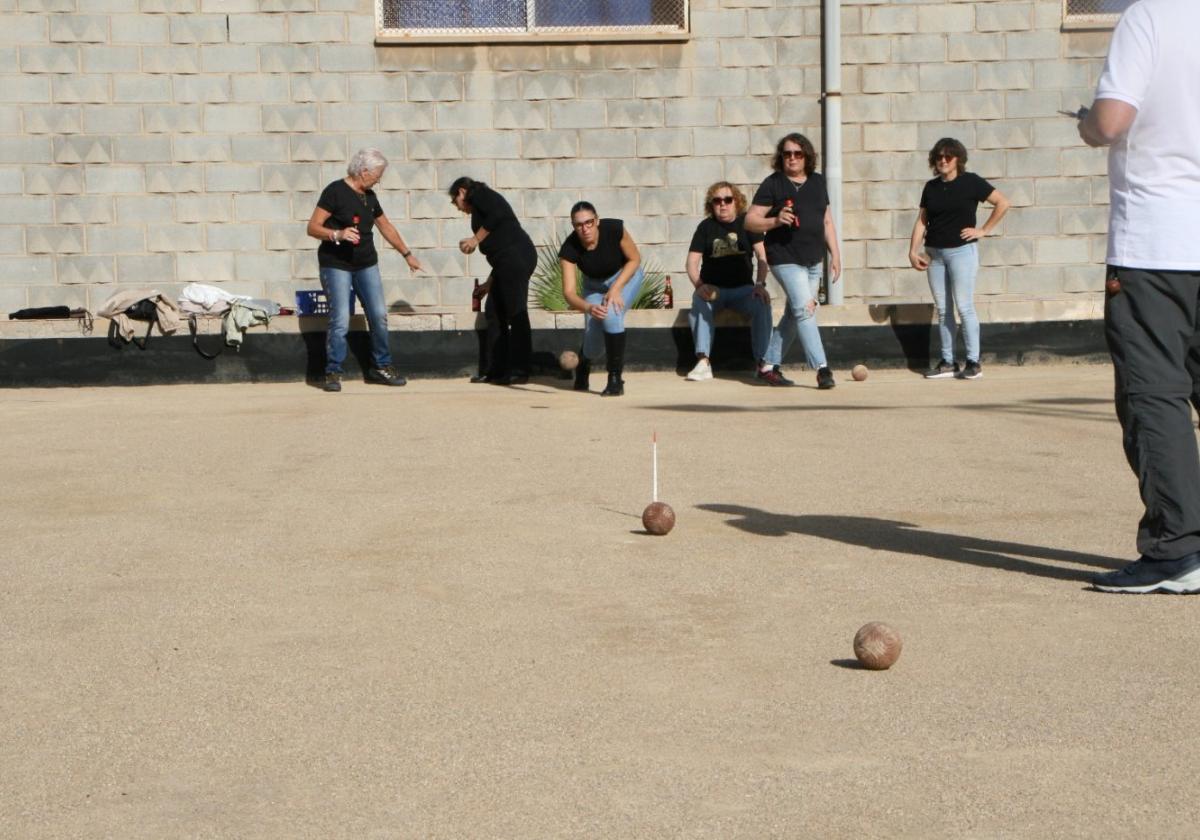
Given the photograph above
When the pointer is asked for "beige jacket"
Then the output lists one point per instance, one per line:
(114, 310)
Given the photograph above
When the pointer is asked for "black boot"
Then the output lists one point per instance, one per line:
(582, 371)
(614, 348)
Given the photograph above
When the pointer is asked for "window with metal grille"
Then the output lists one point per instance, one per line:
(525, 20)
(1093, 14)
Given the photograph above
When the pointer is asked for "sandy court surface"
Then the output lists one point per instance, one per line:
(262, 611)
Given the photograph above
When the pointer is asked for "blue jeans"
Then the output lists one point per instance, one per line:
(339, 286)
(952, 280)
(594, 292)
(740, 298)
(802, 283)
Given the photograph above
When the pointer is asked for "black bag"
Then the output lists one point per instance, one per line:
(145, 309)
(192, 325)
(41, 312)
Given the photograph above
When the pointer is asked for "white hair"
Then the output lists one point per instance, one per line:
(366, 160)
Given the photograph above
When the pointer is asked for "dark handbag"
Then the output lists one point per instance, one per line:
(41, 312)
(146, 310)
(196, 339)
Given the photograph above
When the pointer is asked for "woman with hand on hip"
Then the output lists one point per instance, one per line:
(498, 235)
(946, 227)
(345, 214)
(604, 253)
(792, 208)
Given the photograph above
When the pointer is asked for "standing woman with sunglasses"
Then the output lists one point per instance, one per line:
(498, 235)
(603, 252)
(792, 208)
(946, 226)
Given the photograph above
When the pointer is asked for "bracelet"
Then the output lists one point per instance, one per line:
(406, 254)
(333, 237)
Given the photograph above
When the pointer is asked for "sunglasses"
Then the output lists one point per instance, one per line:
(789, 153)
(945, 157)
(722, 199)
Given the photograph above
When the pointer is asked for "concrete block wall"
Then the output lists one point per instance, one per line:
(159, 142)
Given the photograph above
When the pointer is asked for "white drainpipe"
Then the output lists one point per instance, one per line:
(831, 17)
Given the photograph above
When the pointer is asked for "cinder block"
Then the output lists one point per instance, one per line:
(173, 119)
(889, 137)
(286, 237)
(1004, 75)
(1004, 17)
(148, 269)
(140, 88)
(775, 81)
(1083, 278)
(1062, 74)
(947, 17)
(177, 7)
(1032, 163)
(173, 59)
(24, 89)
(632, 56)
(524, 174)
(262, 268)
(760, 23)
(875, 224)
(922, 107)
(80, 209)
(889, 79)
(740, 111)
(635, 172)
(1007, 134)
(893, 195)
(316, 28)
(257, 29)
(229, 58)
(42, 180)
(974, 46)
(142, 209)
(320, 87)
(575, 114)
(692, 112)
(288, 58)
(346, 58)
(348, 117)
(1063, 191)
(1085, 161)
(666, 142)
(545, 85)
(889, 20)
(63, 28)
(435, 145)
(242, 236)
(205, 89)
(732, 140)
(1007, 251)
(695, 171)
(528, 115)
(724, 82)
(1088, 220)
(538, 145)
(951, 77)
(51, 119)
(548, 204)
(210, 267)
(435, 87)
(463, 115)
(517, 57)
(114, 179)
(204, 148)
(290, 118)
(116, 239)
(917, 49)
(286, 177)
(581, 174)
(80, 88)
(976, 106)
(142, 149)
(27, 271)
(1032, 103)
(53, 239)
(199, 29)
(867, 49)
(111, 119)
(175, 238)
(492, 145)
(203, 208)
(574, 57)
(1060, 132)
(50, 59)
(131, 29)
(256, 88)
(233, 177)
(1033, 45)
(85, 270)
(635, 113)
(606, 85)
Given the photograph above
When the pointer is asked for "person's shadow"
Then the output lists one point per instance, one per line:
(906, 538)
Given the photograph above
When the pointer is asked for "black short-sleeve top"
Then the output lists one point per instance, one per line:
(950, 206)
(603, 261)
(725, 250)
(491, 211)
(805, 243)
(348, 208)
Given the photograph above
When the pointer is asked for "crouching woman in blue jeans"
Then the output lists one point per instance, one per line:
(345, 215)
(604, 253)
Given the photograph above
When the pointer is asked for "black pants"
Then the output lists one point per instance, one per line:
(509, 339)
(1151, 325)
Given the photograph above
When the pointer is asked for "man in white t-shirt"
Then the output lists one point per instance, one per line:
(1147, 110)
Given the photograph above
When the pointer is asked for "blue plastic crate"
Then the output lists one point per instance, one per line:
(315, 303)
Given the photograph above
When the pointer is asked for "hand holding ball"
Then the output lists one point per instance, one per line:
(658, 518)
(877, 646)
(709, 292)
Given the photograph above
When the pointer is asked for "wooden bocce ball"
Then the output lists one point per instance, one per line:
(658, 518)
(859, 373)
(877, 646)
(568, 360)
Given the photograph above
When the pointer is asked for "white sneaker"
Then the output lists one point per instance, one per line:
(701, 372)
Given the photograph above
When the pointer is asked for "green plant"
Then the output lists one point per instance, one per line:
(545, 287)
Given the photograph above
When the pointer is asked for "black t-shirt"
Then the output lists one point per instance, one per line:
(605, 259)
(492, 211)
(950, 206)
(803, 245)
(726, 250)
(349, 209)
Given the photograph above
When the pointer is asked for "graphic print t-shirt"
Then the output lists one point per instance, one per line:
(726, 251)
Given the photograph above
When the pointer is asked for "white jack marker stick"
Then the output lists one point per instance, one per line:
(654, 467)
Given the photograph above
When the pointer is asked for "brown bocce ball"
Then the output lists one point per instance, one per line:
(877, 646)
(568, 360)
(658, 518)
(859, 373)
